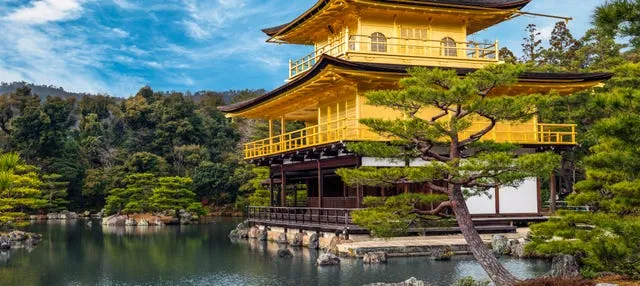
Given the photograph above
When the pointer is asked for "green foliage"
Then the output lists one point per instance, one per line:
(19, 188)
(134, 196)
(620, 18)
(214, 181)
(145, 162)
(393, 216)
(54, 191)
(173, 193)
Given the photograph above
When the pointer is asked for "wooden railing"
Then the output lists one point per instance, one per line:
(348, 129)
(333, 202)
(344, 43)
(312, 216)
(325, 133)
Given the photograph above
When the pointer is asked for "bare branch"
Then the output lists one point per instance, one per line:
(476, 136)
(438, 188)
(442, 206)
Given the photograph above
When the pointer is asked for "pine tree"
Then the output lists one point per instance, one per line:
(606, 236)
(172, 193)
(134, 197)
(532, 49)
(54, 191)
(462, 162)
(562, 47)
(19, 188)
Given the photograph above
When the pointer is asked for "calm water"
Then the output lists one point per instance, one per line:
(77, 254)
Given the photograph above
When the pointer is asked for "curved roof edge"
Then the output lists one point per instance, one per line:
(487, 4)
(393, 68)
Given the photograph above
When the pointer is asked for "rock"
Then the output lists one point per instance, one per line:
(17, 235)
(442, 253)
(72, 215)
(285, 253)
(185, 221)
(33, 217)
(282, 239)
(374, 257)
(86, 214)
(243, 233)
(500, 244)
(233, 233)
(409, 282)
(254, 232)
(297, 239)
(606, 284)
(263, 235)
(517, 247)
(53, 216)
(158, 222)
(5, 244)
(130, 222)
(114, 220)
(333, 245)
(326, 259)
(314, 241)
(241, 226)
(564, 266)
(143, 222)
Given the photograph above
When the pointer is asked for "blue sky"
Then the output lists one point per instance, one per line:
(117, 46)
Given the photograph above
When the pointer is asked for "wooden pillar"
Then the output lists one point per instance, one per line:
(271, 204)
(552, 193)
(358, 196)
(497, 196)
(320, 186)
(283, 190)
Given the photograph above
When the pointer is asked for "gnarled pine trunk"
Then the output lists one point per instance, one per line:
(498, 274)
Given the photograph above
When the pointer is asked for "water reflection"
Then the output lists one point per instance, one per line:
(75, 253)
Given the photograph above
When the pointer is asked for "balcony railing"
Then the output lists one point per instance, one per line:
(345, 44)
(348, 129)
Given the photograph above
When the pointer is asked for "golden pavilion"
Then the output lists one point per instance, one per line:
(362, 45)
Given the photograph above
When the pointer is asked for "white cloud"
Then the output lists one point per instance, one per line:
(195, 31)
(154, 64)
(208, 18)
(124, 4)
(120, 33)
(545, 32)
(44, 11)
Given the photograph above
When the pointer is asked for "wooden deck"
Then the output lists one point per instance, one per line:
(334, 219)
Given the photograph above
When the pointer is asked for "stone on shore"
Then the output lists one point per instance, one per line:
(375, 257)
(314, 241)
(333, 245)
(500, 244)
(297, 239)
(327, 259)
(517, 248)
(254, 232)
(114, 220)
(564, 266)
(17, 235)
(282, 239)
(442, 253)
(5, 243)
(285, 253)
(263, 235)
(130, 222)
(409, 282)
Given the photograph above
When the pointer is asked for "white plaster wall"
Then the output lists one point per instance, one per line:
(381, 162)
(482, 204)
(524, 199)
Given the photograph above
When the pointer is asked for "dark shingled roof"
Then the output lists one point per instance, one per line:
(494, 4)
(393, 68)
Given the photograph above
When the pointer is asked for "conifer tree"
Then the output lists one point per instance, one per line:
(54, 191)
(562, 47)
(19, 188)
(456, 160)
(172, 193)
(134, 197)
(532, 49)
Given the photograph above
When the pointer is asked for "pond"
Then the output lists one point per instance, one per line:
(78, 253)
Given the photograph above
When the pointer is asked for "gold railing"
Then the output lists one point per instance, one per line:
(344, 43)
(348, 129)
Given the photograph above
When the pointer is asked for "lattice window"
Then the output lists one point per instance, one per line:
(378, 42)
(449, 47)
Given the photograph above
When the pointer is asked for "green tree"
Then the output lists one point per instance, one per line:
(459, 101)
(172, 193)
(134, 197)
(562, 47)
(54, 191)
(145, 162)
(620, 18)
(532, 49)
(19, 188)
(214, 181)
